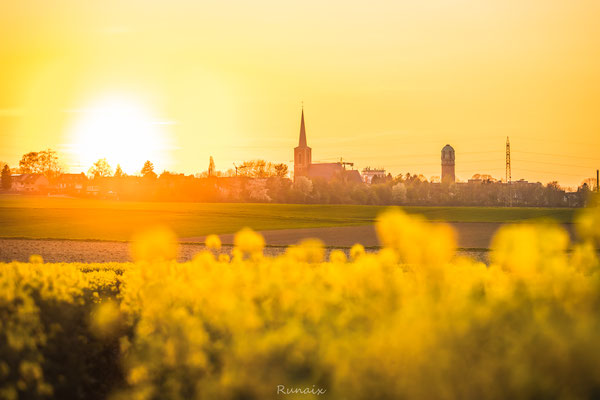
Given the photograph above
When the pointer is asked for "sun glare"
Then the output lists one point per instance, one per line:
(121, 131)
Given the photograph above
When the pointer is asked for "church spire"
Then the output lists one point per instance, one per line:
(302, 142)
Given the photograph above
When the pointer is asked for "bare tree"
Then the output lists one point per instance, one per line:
(262, 169)
(281, 170)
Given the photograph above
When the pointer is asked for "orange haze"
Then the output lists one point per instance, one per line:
(384, 83)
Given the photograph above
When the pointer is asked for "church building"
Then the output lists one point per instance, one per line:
(303, 165)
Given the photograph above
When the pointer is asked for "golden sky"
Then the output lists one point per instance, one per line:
(384, 83)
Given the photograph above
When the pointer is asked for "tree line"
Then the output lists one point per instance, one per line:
(262, 181)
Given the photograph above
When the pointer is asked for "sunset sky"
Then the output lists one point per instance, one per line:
(384, 83)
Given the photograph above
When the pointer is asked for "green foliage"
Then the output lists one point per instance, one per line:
(99, 219)
(47, 349)
(410, 321)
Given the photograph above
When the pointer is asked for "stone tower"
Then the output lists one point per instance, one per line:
(448, 175)
(302, 153)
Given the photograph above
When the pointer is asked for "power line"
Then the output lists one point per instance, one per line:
(429, 155)
(557, 164)
(556, 155)
(545, 139)
(551, 172)
(431, 164)
(467, 171)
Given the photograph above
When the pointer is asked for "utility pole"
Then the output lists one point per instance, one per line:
(508, 172)
(597, 180)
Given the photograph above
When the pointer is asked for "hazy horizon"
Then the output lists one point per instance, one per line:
(383, 85)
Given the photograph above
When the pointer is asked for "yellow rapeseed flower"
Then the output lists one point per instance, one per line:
(105, 319)
(337, 256)
(249, 242)
(155, 244)
(213, 242)
(308, 250)
(36, 259)
(357, 251)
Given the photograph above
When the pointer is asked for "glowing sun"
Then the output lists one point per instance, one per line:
(121, 131)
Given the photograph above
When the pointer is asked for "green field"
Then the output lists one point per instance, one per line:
(63, 218)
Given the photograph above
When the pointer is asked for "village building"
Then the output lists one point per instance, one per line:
(71, 183)
(303, 165)
(30, 183)
(448, 163)
(369, 173)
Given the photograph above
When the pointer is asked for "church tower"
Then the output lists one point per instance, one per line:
(302, 153)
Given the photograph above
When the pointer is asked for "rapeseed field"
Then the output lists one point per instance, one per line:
(411, 321)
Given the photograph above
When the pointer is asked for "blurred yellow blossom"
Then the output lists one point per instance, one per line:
(337, 256)
(155, 244)
(357, 251)
(410, 320)
(588, 224)
(105, 319)
(249, 242)
(308, 250)
(36, 259)
(213, 242)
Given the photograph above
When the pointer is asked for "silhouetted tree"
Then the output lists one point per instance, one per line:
(262, 169)
(591, 184)
(281, 170)
(43, 162)
(554, 194)
(29, 163)
(100, 169)
(377, 179)
(6, 178)
(119, 172)
(148, 170)
(253, 169)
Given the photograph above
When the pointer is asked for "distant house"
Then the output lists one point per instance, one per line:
(107, 186)
(92, 190)
(369, 173)
(71, 183)
(30, 183)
